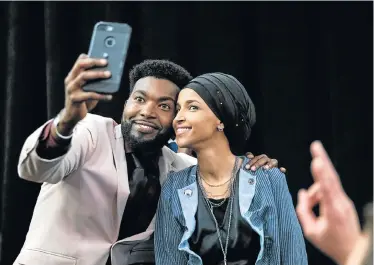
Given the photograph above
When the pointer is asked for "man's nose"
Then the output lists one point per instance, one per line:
(148, 110)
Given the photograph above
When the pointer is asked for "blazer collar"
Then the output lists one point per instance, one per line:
(166, 161)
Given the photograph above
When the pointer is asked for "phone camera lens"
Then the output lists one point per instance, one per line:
(110, 42)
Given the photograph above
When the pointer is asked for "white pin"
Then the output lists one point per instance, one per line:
(188, 192)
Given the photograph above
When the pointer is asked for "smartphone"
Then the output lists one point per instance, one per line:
(109, 41)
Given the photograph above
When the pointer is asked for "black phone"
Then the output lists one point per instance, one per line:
(109, 41)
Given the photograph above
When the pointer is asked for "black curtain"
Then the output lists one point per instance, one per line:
(307, 67)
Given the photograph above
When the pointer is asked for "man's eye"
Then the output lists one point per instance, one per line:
(165, 107)
(139, 99)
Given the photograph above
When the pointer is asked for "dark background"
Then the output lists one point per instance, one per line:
(307, 67)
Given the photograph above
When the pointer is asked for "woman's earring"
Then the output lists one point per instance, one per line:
(220, 127)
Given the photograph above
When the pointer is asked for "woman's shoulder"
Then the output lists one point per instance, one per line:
(276, 177)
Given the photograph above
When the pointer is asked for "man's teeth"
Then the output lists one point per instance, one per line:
(145, 126)
(183, 129)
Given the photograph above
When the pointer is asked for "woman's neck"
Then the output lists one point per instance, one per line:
(215, 163)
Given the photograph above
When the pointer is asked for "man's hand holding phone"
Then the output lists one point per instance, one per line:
(77, 101)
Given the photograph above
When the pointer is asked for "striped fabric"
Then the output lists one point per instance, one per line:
(264, 201)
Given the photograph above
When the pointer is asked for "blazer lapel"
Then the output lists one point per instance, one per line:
(247, 187)
(166, 164)
(123, 189)
(188, 198)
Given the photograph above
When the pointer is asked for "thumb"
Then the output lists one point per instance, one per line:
(304, 210)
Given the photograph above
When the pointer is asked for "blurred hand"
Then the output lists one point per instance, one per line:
(336, 230)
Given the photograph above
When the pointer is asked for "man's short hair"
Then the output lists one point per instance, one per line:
(161, 69)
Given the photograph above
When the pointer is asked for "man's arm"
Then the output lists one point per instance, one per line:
(43, 159)
(48, 159)
(50, 147)
(253, 164)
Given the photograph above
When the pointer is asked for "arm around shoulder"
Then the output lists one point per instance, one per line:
(34, 168)
(293, 250)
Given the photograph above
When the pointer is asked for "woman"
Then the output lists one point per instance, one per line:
(223, 215)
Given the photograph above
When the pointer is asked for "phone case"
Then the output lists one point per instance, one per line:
(110, 41)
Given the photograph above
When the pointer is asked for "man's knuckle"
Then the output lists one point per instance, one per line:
(67, 80)
(72, 97)
(70, 88)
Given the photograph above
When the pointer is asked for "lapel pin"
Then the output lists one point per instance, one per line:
(251, 181)
(188, 192)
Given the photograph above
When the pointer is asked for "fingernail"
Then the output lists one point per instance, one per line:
(103, 61)
(247, 166)
(266, 167)
(253, 168)
(108, 97)
(107, 73)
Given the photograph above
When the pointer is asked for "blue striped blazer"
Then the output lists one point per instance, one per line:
(264, 202)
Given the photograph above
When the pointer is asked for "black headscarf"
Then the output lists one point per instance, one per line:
(229, 101)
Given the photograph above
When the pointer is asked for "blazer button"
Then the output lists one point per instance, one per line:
(188, 192)
(251, 181)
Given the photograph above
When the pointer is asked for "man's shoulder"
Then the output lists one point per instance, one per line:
(92, 119)
(97, 123)
(180, 160)
(96, 127)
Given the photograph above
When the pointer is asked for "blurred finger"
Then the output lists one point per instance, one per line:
(249, 155)
(88, 96)
(317, 167)
(273, 163)
(314, 194)
(254, 160)
(329, 180)
(283, 169)
(265, 162)
(304, 210)
(70, 76)
(318, 151)
(83, 77)
(86, 63)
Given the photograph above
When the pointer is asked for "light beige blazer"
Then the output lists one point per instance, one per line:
(80, 205)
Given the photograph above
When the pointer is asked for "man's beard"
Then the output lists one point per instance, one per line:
(139, 144)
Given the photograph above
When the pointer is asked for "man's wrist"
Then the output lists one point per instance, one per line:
(63, 128)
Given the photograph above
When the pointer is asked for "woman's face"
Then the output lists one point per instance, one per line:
(194, 123)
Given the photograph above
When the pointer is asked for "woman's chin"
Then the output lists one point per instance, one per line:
(183, 143)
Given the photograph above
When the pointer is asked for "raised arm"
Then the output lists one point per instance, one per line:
(58, 148)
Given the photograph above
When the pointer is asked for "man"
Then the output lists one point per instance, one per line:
(336, 231)
(101, 182)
